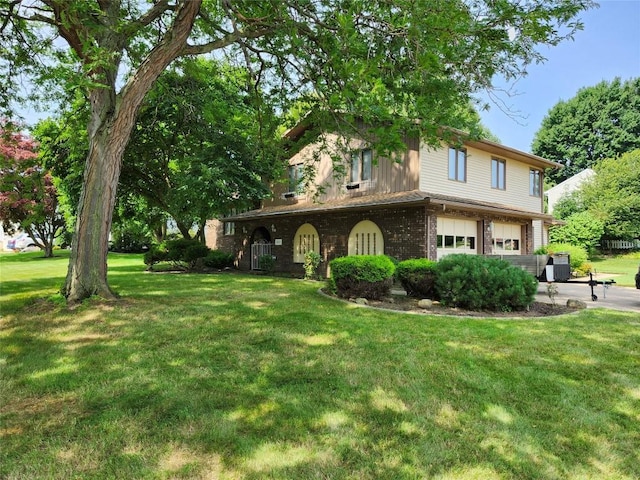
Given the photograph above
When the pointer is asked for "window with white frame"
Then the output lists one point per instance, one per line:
(535, 183)
(457, 164)
(361, 165)
(305, 241)
(295, 178)
(229, 228)
(498, 172)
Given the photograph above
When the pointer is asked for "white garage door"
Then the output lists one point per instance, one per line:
(456, 235)
(506, 238)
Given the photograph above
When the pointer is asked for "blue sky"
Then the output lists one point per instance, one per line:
(608, 47)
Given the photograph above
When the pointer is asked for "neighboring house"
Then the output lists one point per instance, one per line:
(479, 197)
(568, 186)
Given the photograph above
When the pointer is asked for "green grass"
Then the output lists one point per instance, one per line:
(236, 376)
(625, 266)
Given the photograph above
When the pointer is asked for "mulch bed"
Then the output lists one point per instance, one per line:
(409, 304)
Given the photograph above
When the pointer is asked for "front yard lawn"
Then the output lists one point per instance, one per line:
(626, 266)
(233, 376)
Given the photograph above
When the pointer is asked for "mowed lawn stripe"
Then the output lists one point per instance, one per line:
(242, 376)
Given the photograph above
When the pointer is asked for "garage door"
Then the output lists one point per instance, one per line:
(456, 235)
(506, 238)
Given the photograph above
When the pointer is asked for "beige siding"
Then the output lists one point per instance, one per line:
(434, 179)
(387, 176)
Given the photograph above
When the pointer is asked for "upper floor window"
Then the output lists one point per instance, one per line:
(229, 228)
(535, 183)
(295, 178)
(498, 170)
(361, 165)
(457, 164)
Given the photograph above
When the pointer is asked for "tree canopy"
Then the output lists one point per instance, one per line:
(613, 195)
(384, 63)
(600, 122)
(607, 205)
(28, 196)
(197, 150)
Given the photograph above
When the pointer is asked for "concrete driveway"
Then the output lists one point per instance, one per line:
(614, 297)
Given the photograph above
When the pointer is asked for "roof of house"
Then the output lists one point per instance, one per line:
(382, 200)
(572, 182)
(482, 144)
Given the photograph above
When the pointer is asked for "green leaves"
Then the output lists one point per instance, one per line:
(600, 122)
(197, 151)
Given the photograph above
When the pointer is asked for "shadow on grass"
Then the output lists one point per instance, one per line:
(254, 377)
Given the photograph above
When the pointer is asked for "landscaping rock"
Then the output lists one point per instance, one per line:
(362, 301)
(578, 304)
(425, 303)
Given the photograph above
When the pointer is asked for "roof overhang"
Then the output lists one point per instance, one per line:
(504, 151)
(411, 198)
(486, 145)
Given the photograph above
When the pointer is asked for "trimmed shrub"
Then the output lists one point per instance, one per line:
(267, 263)
(156, 254)
(219, 259)
(577, 255)
(476, 282)
(176, 248)
(417, 277)
(181, 253)
(195, 252)
(368, 276)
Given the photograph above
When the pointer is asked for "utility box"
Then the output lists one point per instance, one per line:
(558, 268)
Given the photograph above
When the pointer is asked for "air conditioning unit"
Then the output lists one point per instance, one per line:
(353, 186)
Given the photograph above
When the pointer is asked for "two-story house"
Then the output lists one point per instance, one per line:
(474, 197)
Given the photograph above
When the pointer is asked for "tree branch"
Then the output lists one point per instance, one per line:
(225, 41)
(151, 15)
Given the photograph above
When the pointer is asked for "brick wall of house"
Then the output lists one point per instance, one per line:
(409, 232)
(403, 229)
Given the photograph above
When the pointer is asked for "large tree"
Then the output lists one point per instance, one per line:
(613, 195)
(28, 196)
(600, 122)
(387, 62)
(197, 150)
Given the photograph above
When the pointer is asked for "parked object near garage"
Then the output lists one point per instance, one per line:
(558, 269)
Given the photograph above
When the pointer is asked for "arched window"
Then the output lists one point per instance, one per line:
(366, 239)
(306, 240)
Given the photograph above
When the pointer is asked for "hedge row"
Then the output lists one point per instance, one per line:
(473, 282)
(186, 253)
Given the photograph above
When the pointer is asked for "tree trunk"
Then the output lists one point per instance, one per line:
(112, 119)
(87, 274)
(184, 229)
